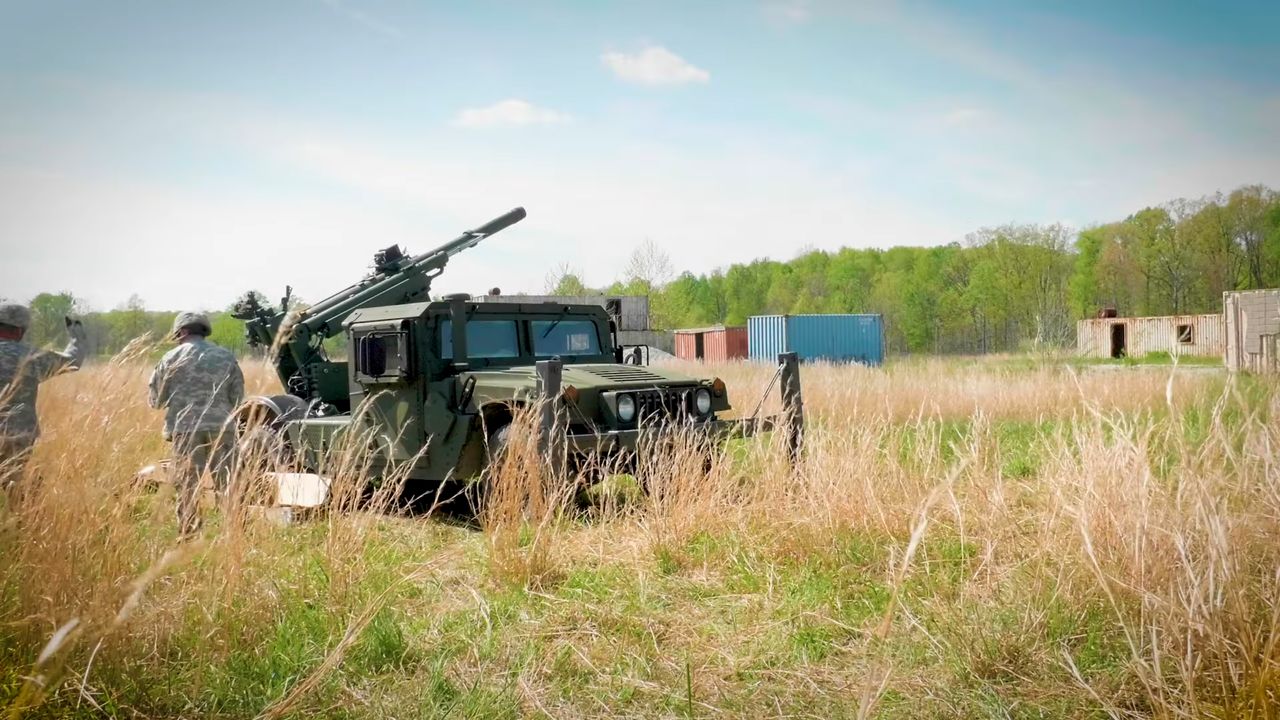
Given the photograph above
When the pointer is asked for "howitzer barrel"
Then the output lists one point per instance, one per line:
(394, 280)
(501, 222)
(409, 283)
(471, 237)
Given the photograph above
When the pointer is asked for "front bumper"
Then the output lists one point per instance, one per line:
(612, 441)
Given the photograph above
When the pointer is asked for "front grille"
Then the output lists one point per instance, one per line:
(662, 406)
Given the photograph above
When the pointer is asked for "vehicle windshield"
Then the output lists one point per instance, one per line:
(564, 337)
(485, 339)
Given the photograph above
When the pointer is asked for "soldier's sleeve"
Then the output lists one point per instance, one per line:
(76, 347)
(156, 390)
(48, 363)
(235, 384)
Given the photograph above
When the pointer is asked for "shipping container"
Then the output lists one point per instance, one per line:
(834, 338)
(725, 344)
(712, 344)
(1202, 335)
(688, 344)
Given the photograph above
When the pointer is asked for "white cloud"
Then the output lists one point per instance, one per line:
(509, 113)
(654, 65)
(709, 208)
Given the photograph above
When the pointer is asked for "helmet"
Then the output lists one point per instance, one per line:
(15, 315)
(197, 321)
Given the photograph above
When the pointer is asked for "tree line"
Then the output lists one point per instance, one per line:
(1000, 289)
(109, 332)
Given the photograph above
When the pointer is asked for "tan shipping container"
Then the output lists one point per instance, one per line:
(1203, 335)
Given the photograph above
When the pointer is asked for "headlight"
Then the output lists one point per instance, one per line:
(626, 408)
(702, 401)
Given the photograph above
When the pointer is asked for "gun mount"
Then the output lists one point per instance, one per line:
(433, 387)
(296, 338)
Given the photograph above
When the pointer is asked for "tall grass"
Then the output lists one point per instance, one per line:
(959, 539)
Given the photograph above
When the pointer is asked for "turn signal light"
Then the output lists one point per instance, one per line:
(570, 393)
(717, 387)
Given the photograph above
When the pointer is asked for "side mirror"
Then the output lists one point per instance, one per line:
(637, 355)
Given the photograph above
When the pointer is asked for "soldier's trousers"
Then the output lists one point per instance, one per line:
(194, 454)
(14, 455)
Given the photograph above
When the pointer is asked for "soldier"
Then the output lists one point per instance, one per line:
(22, 369)
(199, 385)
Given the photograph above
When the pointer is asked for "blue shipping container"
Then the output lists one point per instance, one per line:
(835, 338)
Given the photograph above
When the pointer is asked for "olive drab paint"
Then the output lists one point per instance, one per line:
(429, 384)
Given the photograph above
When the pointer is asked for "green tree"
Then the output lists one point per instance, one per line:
(566, 281)
(1249, 208)
(48, 313)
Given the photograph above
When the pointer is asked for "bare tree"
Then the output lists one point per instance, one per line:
(649, 265)
(564, 279)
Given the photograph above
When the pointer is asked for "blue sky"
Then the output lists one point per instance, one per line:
(188, 151)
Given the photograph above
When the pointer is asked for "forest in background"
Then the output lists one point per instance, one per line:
(1000, 289)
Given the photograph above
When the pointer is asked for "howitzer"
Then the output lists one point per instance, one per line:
(433, 390)
(296, 338)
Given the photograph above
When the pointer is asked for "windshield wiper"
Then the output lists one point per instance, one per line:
(555, 322)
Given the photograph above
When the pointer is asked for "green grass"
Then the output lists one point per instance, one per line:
(609, 636)
(776, 613)
(1153, 358)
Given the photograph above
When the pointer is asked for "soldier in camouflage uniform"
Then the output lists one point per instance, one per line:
(22, 369)
(199, 385)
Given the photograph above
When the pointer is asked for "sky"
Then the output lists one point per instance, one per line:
(185, 152)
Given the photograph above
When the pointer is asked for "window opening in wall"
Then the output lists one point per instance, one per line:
(1185, 336)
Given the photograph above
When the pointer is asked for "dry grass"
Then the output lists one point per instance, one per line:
(961, 539)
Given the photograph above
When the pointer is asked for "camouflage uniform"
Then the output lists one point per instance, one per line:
(22, 369)
(199, 385)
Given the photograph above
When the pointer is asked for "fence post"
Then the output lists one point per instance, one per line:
(792, 403)
(551, 429)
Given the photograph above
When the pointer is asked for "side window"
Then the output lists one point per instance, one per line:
(383, 355)
(485, 339)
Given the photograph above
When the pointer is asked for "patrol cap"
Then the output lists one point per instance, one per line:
(195, 320)
(15, 315)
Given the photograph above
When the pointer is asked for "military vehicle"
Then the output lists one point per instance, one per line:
(435, 384)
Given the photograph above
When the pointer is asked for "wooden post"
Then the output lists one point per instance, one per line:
(792, 403)
(551, 428)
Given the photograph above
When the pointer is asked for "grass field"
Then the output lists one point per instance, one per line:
(995, 538)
